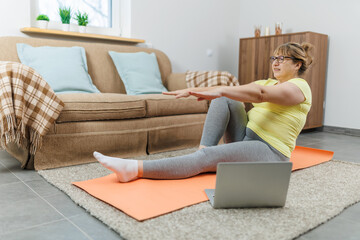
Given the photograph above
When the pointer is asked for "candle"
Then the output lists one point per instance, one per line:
(267, 31)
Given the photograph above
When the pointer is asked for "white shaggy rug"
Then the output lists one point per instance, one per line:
(315, 195)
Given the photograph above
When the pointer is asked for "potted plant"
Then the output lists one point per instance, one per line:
(42, 21)
(65, 15)
(82, 20)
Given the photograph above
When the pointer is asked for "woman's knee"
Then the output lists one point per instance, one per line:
(227, 101)
(224, 101)
(219, 101)
(234, 103)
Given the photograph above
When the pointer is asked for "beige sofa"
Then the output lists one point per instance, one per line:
(112, 122)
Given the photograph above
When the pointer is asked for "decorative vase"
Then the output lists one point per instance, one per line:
(43, 24)
(278, 28)
(82, 29)
(65, 27)
(257, 31)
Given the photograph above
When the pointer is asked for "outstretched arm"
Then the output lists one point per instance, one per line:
(186, 92)
(284, 94)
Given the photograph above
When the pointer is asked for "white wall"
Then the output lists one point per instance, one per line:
(340, 20)
(14, 15)
(186, 29)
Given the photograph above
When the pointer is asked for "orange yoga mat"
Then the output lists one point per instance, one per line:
(303, 157)
(144, 198)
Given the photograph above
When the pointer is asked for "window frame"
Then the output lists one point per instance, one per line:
(121, 16)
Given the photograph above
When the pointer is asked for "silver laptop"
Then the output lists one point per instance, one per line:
(257, 184)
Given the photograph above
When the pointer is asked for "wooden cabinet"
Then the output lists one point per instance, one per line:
(254, 64)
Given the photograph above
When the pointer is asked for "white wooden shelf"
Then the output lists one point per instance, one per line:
(81, 35)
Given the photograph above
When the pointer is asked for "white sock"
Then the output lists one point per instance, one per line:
(126, 170)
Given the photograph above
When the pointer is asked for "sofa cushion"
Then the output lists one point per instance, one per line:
(63, 68)
(163, 105)
(139, 72)
(100, 106)
(113, 106)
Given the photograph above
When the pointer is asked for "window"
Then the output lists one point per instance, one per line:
(99, 11)
(110, 17)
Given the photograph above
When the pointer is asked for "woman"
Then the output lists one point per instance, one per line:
(267, 133)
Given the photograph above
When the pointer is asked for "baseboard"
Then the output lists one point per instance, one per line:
(340, 130)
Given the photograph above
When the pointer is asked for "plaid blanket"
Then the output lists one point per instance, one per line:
(210, 78)
(28, 106)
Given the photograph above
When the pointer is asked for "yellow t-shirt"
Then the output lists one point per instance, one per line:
(280, 125)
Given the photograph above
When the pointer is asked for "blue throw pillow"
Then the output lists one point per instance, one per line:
(63, 68)
(139, 72)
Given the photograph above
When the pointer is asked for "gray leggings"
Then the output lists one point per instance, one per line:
(226, 118)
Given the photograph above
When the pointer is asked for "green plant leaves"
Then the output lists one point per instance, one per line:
(43, 17)
(82, 18)
(65, 14)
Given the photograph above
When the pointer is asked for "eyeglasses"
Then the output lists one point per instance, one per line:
(280, 59)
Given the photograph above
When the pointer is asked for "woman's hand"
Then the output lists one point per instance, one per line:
(203, 93)
(183, 93)
(207, 95)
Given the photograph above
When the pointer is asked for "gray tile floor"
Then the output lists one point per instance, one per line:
(31, 208)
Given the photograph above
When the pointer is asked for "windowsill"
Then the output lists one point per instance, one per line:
(80, 35)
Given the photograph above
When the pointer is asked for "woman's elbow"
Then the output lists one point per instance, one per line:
(259, 97)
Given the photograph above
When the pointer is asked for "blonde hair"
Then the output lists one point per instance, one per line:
(300, 53)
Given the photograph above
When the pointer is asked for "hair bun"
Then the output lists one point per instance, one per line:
(307, 46)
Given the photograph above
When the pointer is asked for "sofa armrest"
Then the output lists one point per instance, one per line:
(176, 81)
